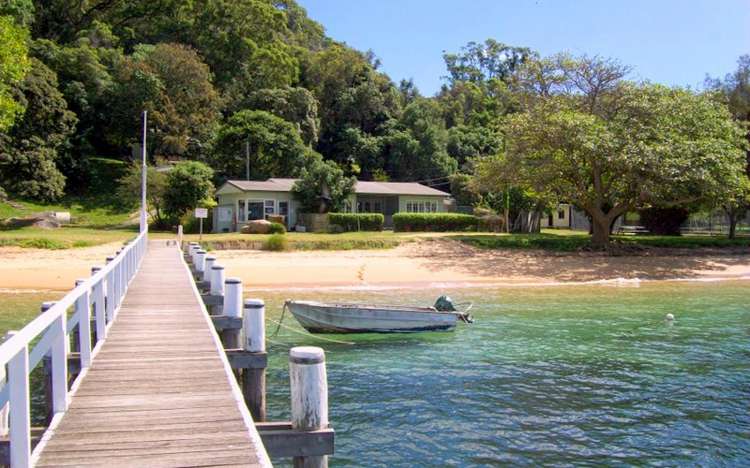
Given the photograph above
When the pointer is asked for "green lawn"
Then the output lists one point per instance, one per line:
(569, 241)
(306, 240)
(63, 238)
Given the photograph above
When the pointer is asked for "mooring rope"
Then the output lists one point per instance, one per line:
(279, 324)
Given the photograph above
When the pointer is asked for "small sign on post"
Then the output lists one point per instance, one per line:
(201, 213)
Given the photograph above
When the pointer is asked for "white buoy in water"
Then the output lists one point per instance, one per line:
(669, 318)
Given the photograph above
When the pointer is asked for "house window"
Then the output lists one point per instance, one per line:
(560, 214)
(408, 207)
(376, 207)
(367, 207)
(269, 207)
(283, 208)
(347, 206)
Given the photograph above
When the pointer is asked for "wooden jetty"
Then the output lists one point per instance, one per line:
(137, 375)
(160, 391)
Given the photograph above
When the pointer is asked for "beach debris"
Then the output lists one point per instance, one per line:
(669, 318)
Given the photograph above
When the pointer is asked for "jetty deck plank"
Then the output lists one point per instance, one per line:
(157, 393)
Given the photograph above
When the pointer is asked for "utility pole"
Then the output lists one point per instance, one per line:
(144, 221)
(247, 159)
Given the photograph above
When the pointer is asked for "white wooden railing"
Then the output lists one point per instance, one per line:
(50, 335)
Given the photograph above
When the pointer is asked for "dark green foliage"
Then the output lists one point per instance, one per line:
(28, 152)
(322, 187)
(277, 228)
(434, 222)
(276, 149)
(664, 221)
(357, 221)
(189, 185)
(295, 105)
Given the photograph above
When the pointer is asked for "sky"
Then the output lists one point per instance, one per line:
(675, 42)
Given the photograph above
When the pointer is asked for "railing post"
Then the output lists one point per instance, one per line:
(217, 286)
(254, 380)
(59, 380)
(47, 368)
(83, 310)
(309, 389)
(110, 299)
(20, 413)
(232, 308)
(179, 235)
(98, 300)
(4, 412)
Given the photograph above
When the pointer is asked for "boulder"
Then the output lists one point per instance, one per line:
(258, 226)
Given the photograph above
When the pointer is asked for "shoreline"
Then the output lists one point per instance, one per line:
(434, 265)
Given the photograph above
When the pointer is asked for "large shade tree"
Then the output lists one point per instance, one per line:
(734, 91)
(610, 146)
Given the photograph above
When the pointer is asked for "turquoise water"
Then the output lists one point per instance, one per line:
(584, 375)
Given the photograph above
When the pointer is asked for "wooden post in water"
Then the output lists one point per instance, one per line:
(207, 264)
(200, 261)
(309, 388)
(232, 308)
(217, 286)
(254, 380)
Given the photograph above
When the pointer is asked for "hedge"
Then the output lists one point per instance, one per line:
(357, 221)
(407, 222)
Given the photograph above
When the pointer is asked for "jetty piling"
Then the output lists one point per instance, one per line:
(308, 441)
(309, 392)
(254, 378)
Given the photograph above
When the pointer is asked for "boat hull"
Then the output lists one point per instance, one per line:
(324, 318)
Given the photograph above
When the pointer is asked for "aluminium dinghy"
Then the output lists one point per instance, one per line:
(318, 317)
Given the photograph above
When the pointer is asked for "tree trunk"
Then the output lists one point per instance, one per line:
(600, 232)
(732, 226)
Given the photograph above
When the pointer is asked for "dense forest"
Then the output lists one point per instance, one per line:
(508, 131)
(216, 75)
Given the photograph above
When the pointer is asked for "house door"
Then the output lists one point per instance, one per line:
(255, 210)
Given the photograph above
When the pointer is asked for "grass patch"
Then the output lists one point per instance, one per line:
(62, 238)
(570, 241)
(304, 240)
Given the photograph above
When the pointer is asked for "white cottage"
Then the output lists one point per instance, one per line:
(240, 201)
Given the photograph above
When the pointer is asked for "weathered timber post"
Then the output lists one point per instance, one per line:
(217, 286)
(309, 389)
(179, 235)
(254, 380)
(207, 264)
(98, 300)
(200, 261)
(193, 250)
(4, 426)
(232, 308)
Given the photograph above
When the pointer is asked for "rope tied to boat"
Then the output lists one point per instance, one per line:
(279, 325)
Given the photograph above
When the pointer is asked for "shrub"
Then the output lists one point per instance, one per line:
(277, 228)
(438, 222)
(664, 221)
(357, 221)
(276, 243)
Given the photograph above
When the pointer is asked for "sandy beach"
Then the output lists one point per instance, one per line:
(419, 264)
